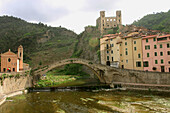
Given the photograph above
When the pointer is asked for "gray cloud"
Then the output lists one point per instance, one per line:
(33, 10)
(97, 5)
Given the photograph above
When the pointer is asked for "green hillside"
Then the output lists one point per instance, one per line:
(42, 44)
(159, 21)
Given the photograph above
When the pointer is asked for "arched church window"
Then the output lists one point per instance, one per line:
(9, 60)
(20, 54)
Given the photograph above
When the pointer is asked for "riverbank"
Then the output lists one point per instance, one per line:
(3, 97)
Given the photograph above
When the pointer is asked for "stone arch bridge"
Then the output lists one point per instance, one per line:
(98, 69)
(111, 75)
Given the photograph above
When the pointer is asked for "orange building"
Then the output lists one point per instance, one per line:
(11, 62)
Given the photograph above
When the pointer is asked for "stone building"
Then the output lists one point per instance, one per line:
(11, 62)
(108, 22)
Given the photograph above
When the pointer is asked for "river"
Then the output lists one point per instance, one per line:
(88, 102)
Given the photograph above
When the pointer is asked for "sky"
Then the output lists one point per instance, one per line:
(76, 14)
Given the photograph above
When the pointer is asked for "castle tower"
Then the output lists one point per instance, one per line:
(102, 17)
(20, 57)
(119, 18)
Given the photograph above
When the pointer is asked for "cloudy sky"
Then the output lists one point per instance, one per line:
(76, 14)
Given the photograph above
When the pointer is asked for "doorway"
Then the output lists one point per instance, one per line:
(108, 63)
(162, 68)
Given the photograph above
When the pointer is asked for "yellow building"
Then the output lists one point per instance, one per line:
(109, 48)
(131, 52)
(123, 52)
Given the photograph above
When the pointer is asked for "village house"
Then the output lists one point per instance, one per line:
(136, 51)
(156, 53)
(11, 62)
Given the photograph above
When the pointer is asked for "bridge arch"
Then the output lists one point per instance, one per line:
(92, 66)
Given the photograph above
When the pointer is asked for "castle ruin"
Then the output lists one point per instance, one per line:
(104, 23)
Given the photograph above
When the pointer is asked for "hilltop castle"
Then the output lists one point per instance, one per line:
(104, 23)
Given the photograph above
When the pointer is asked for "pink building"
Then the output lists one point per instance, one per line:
(156, 53)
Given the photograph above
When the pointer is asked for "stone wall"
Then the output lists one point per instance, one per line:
(14, 85)
(143, 79)
(134, 76)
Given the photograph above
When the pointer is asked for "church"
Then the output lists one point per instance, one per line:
(11, 62)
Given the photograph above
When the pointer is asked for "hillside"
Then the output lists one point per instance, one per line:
(159, 21)
(42, 44)
(87, 46)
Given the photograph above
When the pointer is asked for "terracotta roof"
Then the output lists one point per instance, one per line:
(164, 36)
(108, 35)
(151, 36)
(9, 53)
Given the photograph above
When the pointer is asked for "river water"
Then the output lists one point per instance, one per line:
(88, 102)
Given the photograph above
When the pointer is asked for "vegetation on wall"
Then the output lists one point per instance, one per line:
(156, 21)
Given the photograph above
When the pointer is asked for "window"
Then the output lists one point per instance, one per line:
(156, 61)
(13, 69)
(4, 69)
(126, 53)
(162, 61)
(107, 57)
(154, 39)
(146, 64)
(120, 44)
(9, 60)
(126, 61)
(147, 54)
(168, 52)
(112, 45)
(126, 49)
(168, 62)
(155, 47)
(125, 38)
(112, 59)
(134, 42)
(160, 45)
(111, 39)
(147, 47)
(112, 51)
(138, 64)
(107, 52)
(125, 43)
(135, 48)
(107, 46)
(155, 53)
(120, 54)
(20, 54)
(168, 45)
(138, 55)
(161, 53)
(146, 40)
